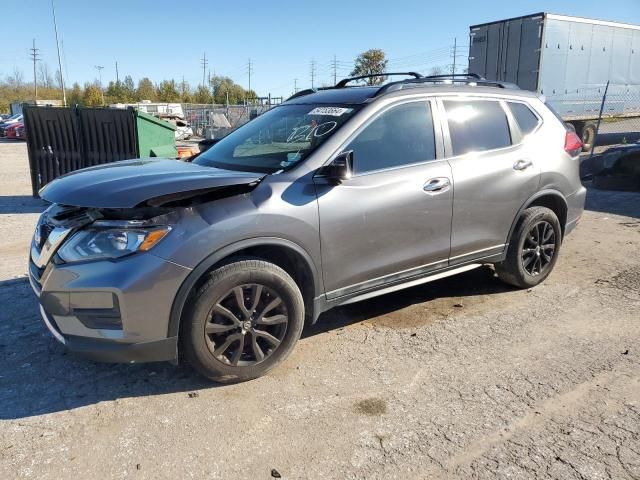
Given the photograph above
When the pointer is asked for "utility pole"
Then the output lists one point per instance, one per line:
(295, 85)
(455, 54)
(99, 68)
(335, 70)
(35, 57)
(117, 75)
(204, 63)
(313, 72)
(249, 70)
(55, 27)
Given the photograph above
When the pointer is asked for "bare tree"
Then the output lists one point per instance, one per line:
(16, 80)
(44, 75)
(437, 70)
(58, 78)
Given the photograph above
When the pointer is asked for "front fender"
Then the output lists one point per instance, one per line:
(219, 255)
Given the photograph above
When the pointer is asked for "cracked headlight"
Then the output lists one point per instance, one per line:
(93, 244)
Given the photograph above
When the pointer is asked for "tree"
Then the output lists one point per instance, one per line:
(185, 92)
(75, 95)
(44, 75)
(128, 89)
(369, 63)
(202, 95)
(115, 93)
(146, 90)
(17, 79)
(92, 96)
(437, 70)
(226, 89)
(168, 91)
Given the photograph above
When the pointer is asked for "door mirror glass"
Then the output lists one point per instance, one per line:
(339, 169)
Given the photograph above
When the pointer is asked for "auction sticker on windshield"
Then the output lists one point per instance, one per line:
(330, 111)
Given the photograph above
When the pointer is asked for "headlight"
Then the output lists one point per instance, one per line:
(94, 244)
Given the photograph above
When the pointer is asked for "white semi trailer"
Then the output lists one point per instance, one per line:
(569, 60)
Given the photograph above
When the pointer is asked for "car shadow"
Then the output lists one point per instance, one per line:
(480, 281)
(40, 377)
(21, 204)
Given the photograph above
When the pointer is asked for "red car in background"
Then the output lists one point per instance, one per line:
(16, 131)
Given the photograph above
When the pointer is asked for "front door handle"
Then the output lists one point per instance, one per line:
(522, 164)
(437, 185)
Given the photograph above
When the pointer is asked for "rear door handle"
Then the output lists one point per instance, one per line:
(522, 164)
(437, 185)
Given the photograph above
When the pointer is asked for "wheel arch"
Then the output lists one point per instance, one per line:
(552, 199)
(288, 255)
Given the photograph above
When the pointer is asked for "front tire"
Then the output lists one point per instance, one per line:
(245, 320)
(533, 249)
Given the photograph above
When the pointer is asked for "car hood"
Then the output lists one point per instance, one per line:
(130, 183)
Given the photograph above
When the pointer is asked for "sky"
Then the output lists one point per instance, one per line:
(167, 39)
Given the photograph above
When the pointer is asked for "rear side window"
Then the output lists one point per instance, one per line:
(477, 126)
(403, 135)
(526, 119)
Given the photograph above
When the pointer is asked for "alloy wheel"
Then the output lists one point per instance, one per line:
(246, 325)
(539, 248)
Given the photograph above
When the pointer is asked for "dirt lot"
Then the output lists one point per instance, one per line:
(461, 378)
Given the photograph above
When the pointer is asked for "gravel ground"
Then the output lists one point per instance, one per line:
(460, 378)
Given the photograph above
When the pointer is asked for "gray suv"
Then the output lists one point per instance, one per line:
(335, 196)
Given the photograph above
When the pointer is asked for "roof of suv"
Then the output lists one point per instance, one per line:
(358, 95)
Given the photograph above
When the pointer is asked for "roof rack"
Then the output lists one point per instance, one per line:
(343, 83)
(446, 79)
(450, 79)
(302, 93)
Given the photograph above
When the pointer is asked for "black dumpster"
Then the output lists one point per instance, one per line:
(61, 140)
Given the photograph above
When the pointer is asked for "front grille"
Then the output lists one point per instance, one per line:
(36, 273)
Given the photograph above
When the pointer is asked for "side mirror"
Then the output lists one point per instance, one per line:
(340, 168)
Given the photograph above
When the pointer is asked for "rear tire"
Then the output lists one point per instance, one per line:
(588, 136)
(245, 320)
(533, 249)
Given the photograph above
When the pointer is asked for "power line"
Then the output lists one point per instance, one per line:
(99, 68)
(55, 27)
(455, 55)
(249, 71)
(204, 62)
(335, 68)
(35, 56)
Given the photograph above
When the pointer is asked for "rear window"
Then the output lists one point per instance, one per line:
(477, 125)
(525, 118)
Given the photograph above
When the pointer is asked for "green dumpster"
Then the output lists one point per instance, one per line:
(156, 138)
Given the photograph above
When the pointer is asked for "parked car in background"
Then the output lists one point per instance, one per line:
(332, 197)
(12, 131)
(21, 132)
(8, 122)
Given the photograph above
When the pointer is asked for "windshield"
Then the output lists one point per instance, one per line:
(278, 139)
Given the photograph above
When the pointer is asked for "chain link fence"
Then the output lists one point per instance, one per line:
(217, 120)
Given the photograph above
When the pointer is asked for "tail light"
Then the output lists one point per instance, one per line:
(572, 143)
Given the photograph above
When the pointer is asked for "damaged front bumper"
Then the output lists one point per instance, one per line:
(111, 311)
(114, 310)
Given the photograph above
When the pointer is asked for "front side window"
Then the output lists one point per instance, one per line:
(277, 140)
(476, 125)
(402, 135)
